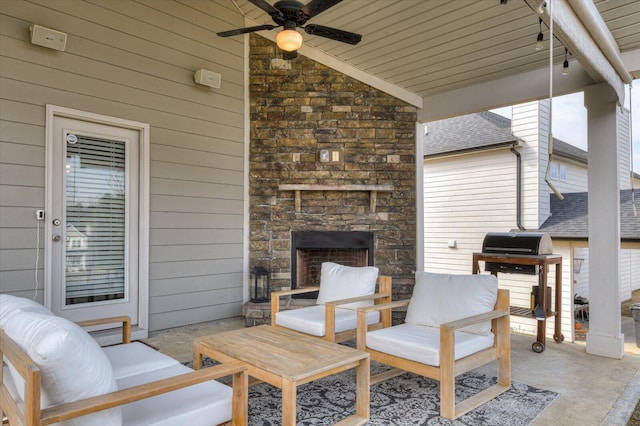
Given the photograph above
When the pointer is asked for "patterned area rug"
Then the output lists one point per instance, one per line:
(402, 401)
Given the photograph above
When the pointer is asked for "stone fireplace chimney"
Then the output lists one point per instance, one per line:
(352, 150)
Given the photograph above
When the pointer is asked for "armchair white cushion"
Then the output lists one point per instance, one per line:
(442, 298)
(311, 320)
(330, 318)
(344, 282)
(422, 344)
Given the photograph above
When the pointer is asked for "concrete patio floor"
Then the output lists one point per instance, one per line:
(593, 390)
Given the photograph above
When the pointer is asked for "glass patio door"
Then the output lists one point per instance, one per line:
(92, 225)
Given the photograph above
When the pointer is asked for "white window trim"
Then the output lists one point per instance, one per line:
(143, 216)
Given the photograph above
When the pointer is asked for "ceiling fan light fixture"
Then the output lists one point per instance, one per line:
(289, 40)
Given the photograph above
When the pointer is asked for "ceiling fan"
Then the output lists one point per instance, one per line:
(292, 14)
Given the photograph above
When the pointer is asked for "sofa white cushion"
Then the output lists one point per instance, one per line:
(343, 282)
(135, 358)
(422, 344)
(72, 364)
(10, 305)
(442, 298)
(311, 319)
(204, 404)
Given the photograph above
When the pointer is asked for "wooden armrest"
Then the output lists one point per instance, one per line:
(16, 356)
(294, 291)
(357, 299)
(71, 410)
(474, 319)
(124, 319)
(383, 306)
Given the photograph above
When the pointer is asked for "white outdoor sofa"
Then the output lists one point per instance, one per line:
(54, 371)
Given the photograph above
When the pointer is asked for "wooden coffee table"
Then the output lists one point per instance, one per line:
(286, 359)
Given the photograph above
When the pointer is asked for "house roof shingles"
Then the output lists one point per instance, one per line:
(467, 133)
(569, 218)
(482, 130)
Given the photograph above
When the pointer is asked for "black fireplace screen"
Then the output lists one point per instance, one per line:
(309, 249)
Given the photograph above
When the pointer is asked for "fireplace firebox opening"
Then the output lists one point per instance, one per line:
(309, 249)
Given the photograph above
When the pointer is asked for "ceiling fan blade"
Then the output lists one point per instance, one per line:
(289, 55)
(245, 30)
(333, 34)
(315, 7)
(262, 4)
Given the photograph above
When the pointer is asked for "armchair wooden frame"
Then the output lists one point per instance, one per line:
(32, 414)
(383, 296)
(449, 367)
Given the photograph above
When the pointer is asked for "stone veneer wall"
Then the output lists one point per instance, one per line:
(299, 107)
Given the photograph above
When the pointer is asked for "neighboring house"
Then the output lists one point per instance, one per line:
(568, 226)
(474, 184)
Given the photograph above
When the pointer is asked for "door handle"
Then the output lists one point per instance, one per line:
(56, 238)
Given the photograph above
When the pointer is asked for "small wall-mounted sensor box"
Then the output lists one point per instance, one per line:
(208, 78)
(43, 36)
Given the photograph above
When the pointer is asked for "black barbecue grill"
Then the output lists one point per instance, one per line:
(518, 243)
(526, 252)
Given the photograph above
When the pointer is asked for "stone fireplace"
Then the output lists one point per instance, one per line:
(328, 154)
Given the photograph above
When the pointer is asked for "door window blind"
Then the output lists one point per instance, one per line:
(95, 220)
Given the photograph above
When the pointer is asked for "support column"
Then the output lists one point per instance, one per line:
(604, 337)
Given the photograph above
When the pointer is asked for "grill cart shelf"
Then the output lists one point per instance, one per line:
(543, 262)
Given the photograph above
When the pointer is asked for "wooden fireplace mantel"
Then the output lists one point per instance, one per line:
(373, 191)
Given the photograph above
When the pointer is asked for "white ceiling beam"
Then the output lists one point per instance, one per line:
(510, 90)
(573, 34)
(631, 59)
(347, 69)
(596, 26)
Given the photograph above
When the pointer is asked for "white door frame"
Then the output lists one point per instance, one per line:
(53, 111)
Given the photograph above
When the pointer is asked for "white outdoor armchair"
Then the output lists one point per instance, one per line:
(454, 323)
(342, 291)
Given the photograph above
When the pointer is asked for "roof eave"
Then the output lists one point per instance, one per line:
(493, 147)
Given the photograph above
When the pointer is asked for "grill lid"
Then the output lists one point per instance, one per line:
(521, 242)
(516, 243)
